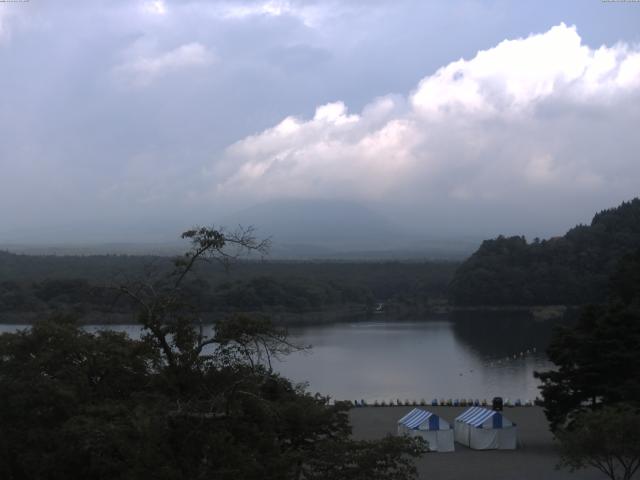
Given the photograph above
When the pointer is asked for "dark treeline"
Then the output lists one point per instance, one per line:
(178, 403)
(598, 356)
(87, 284)
(573, 269)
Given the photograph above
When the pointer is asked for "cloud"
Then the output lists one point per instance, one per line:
(530, 120)
(115, 83)
(9, 15)
(155, 7)
(308, 13)
(144, 70)
(518, 74)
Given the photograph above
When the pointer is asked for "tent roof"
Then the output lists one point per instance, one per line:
(415, 418)
(476, 416)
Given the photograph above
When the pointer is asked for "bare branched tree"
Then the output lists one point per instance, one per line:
(162, 310)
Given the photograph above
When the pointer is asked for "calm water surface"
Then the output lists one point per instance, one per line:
(385, 360)
(415, 360)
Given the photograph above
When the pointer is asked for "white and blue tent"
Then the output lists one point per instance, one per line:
(435, 430)
(483, 429)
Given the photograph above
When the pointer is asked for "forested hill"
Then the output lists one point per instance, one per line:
(87, 284)
(572, 270)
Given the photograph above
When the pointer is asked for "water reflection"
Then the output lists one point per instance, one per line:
(470, 357)
(415, 360)
(501, 334)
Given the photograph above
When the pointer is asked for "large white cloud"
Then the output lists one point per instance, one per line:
(539, 117)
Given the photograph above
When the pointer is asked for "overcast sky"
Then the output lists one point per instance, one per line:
(463, 117)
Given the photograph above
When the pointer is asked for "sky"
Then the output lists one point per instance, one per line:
(131, 120)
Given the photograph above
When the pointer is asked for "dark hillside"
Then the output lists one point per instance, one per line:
(573, 269)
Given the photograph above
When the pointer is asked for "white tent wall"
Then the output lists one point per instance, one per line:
(429, 436)
(436, 431)
(485, 436)
(445, 440)
(483, 439)
(461, 433)
(438, 440)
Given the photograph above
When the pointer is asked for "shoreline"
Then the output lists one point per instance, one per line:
(348, 313)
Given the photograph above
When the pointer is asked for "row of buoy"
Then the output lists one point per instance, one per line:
(515, 356)
(457, 402)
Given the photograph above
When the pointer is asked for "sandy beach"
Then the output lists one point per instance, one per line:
(535, 459)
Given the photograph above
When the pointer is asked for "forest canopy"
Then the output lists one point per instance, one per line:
(84, 285)
(179, 403)
(570, 270)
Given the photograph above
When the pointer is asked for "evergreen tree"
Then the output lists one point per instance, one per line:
(598, 360)
(568, 270)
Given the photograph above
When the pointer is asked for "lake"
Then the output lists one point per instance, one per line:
(388, 360)
(415, 360)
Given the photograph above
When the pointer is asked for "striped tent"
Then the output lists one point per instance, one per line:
(435, 430)
(483, 429)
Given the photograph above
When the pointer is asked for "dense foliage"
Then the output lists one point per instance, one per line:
(572, 270)
(76, 405)
(607, 439)
(180, 403)
(598, 360)
(85, 285)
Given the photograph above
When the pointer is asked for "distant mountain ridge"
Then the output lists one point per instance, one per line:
(326, 222)
(573, 269)
(300, 229)
(341, 229)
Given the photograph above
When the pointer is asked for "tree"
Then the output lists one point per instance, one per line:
(66, 396)
(387, 459)
(607, 439)
(598, 360)
(568, 270)
(163, 311)
(180, 403)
